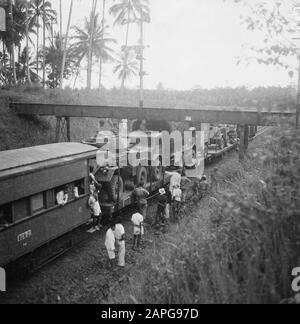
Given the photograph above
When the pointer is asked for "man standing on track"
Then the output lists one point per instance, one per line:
(138, 230)
(161, 207)
(140, 195)
(120, 239)
(176, 198)
(203, 187)
(175, 180)
(110, 244)
(93, 202)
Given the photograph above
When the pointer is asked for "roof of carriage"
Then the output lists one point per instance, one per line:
(31, 156)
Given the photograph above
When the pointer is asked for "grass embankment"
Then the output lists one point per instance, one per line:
(238, 245)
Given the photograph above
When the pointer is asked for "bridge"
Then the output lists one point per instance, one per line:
(221, 115)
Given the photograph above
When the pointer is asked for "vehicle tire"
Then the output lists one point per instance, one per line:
(141, 175)
(157, 172)
(113, 188)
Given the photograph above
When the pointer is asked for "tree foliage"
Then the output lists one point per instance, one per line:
(277, 23)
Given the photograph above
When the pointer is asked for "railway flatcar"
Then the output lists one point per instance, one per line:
(31, 180)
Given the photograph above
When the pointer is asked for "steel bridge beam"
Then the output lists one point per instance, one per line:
(221, 115)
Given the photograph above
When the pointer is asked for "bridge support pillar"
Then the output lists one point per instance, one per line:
(242, 148)
(63, 129)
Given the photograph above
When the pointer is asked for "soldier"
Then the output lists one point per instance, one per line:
(140, 195)
(203, 187)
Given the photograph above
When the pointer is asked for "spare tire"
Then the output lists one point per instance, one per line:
(113, 186)
(141, 176)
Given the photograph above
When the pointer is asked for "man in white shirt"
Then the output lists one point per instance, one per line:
(62, 197)
(176, 198)
(96, 212)
(137, 220)
(174, 181)
(110, 244)
(120, 239)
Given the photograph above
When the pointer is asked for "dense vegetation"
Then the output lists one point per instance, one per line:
(25, 58)
(262, 97)
(239, 244)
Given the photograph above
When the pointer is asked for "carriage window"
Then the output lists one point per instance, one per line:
(5, 215)
(80, 185)
(50, 199)
(21, 209)
(37, 203)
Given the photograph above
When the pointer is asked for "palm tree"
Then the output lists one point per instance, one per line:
(22, 69)
(90, 54)
(126, 67)
(53, 60)
(103, 28)
(101, 44)
(16, 31)
(130, 11)
(40, 9)
(12, 43)
(65, 46)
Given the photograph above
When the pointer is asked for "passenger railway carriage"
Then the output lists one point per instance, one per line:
(30, 179)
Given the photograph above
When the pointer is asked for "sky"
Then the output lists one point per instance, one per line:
(191, 43)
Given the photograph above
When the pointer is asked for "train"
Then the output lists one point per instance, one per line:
(31, 180)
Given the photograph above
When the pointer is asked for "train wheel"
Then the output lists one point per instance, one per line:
(141, 176)
(115, 184)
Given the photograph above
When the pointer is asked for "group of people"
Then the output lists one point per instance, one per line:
(115, 238)
(169, 203)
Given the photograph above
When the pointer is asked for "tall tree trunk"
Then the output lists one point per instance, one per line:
(101, 58)
(141, 105)
(12, 49)
(65, 45)
(127, 29)
(44, 44)
(90, 54)
(37, 44)
(60, 23)
(123, 85)
(27, 44)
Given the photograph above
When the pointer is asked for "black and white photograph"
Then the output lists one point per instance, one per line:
(149, 154)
